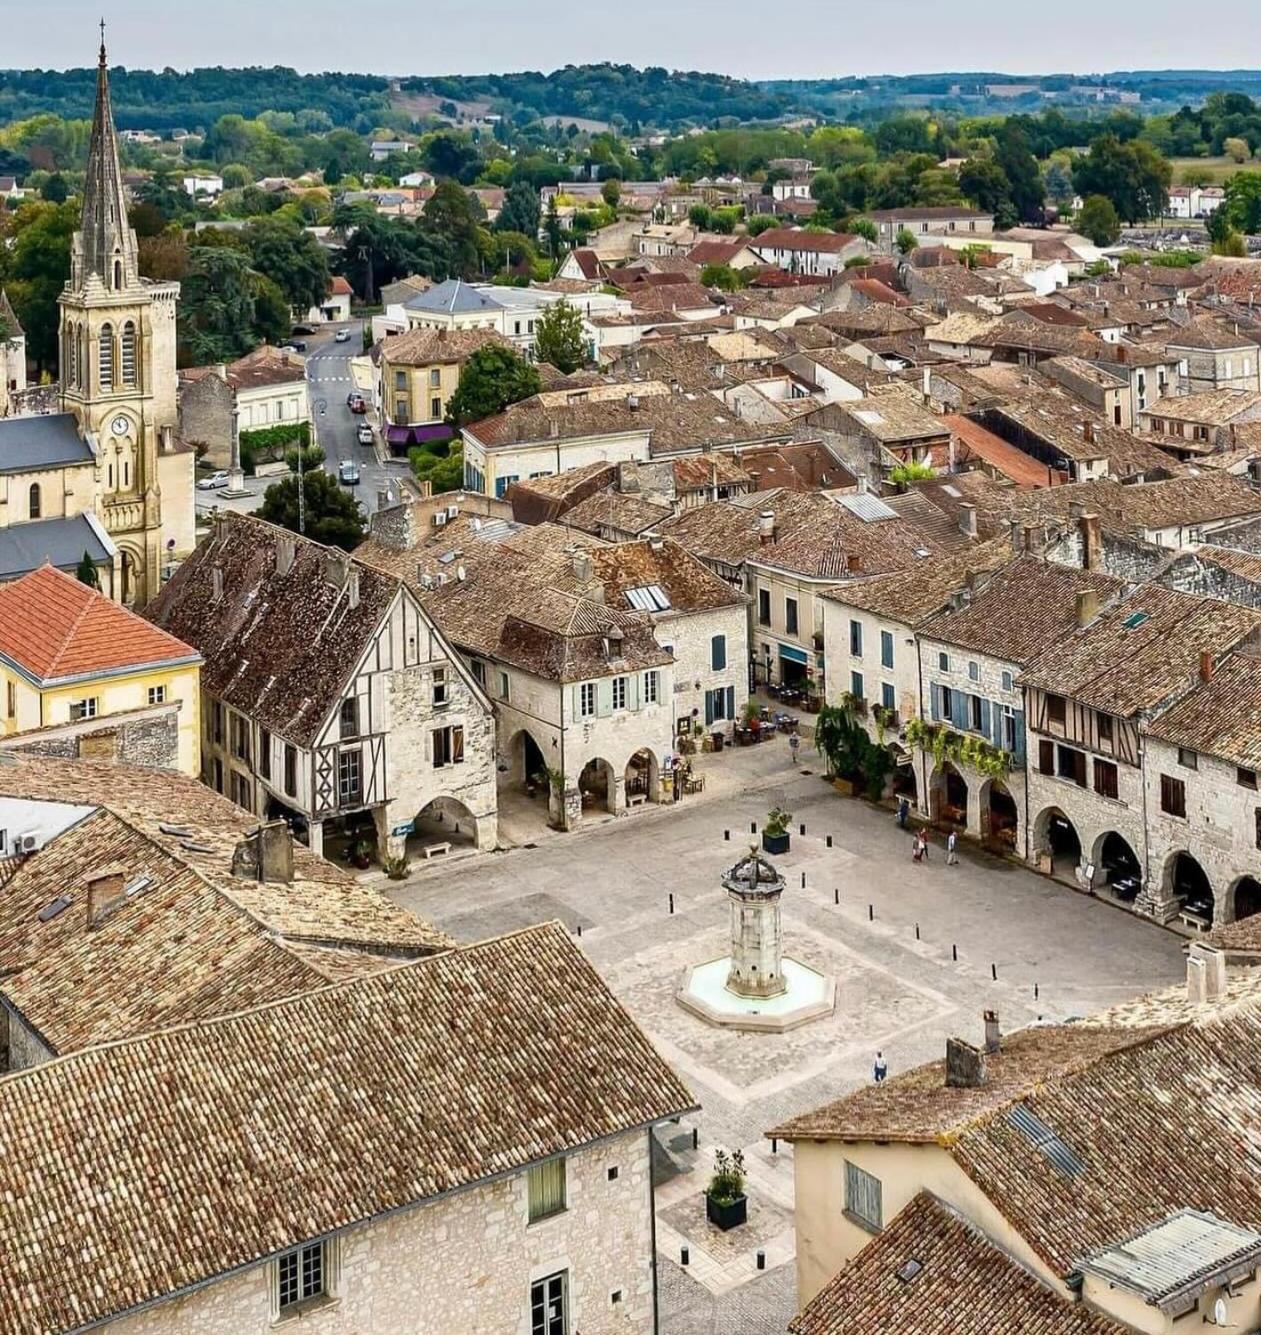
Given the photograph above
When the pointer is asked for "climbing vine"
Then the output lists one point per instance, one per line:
(946, 744)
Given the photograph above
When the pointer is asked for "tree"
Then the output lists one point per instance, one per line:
(292, 258)
(1132, 175)
(216, 306)
(551, 227)
(1028, 194)
(611, 192)
(491, 378)
(449, 213)
(985, 185)
(1098, 220)
(699, 216)
(56, 191)
(905, 241)
(764, 222)
(1234, 148)
(520, 212)
(1243, 202)
(332, 515)
(87, 572)
(863, 227)
(444, 471)
(724, 277)
(1058, 181)
(37, 266)
(560, 338)
(1231, 245)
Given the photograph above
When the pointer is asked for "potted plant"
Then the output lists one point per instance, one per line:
(726, 1205)
(775, 836)
(359, 853)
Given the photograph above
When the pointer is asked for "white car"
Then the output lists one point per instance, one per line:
(364, 434)
(214, 481)
(342, 336)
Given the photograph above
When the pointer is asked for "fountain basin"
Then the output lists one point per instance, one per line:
(809, 995)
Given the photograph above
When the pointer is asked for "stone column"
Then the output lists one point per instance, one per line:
(754, 888)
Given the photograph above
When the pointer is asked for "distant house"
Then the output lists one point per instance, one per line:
(928, 221)
(336, 304)
(204, 186)
(801, 251)
(387, 148)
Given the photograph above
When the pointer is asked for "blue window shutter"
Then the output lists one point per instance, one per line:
(731, 702)
(934, 692)
(985, 718)
(1020, 736)
(959, 709)
(718, 653)
(709, 708)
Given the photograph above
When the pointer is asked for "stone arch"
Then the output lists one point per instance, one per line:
(999, 814)
(1244, 899)
(642, 776)
(1117, 865)
(526, 762)
(597, 785)
(131, 573)
(1184, 879)
(1056, 844)
(948, 796)
(444, 820)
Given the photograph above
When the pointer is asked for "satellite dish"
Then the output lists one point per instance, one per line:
(1219, 1312)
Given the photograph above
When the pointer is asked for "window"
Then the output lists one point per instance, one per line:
(718, 653)
(1188, 759)
(1106, 779)
(856, 685)
(856, 639)
(1046, 757)
(764, 607)
(1056, 711)
(33, 507)
(943, 662)
(790, 615)
(545, 1187)
(974, 671)
(863, 1198)
(291, 770)
(349, 777)
(400, 382)
(239, 790)
(1071, 764)
(128, 353)
(11, 704)
(888, 697)
(435, 378)
(448, 746)
(886, 648)
(350, 717)
(479, 672)
(1008, 733)
(439, 686)
(264, 753)
(619, 692)
(216, 722)
(218, 775)
(105, 363)
(503, 686)
(1257, 816)
(652, 688)
(1173, 796)
(947, 703)
(975, 717)
(240, 732)
(586, 700)
(1245, 778)
(435, 408)
(82, 709)
(302, 1275)
(1103, 726)
(549, 1305)
(157, 695)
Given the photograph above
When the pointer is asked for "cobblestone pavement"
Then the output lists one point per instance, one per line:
(852, 910)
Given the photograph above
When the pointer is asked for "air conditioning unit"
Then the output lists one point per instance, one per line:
(452, 511)
(440, 518)
(26, 843)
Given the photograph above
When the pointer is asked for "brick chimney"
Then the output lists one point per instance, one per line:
(1206, 973)
(1087, 606)
(1206, 666)
(766, 528)
(853, 564)
(993, 1035)
(105, 889)
(1091, 541)
(967, 519)
(965, 1065)
(284, 554)
(335, 567)
(265, 854)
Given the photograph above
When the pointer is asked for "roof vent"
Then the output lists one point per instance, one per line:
(909, 1270)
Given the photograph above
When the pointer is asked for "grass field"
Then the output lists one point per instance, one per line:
(1208, 171)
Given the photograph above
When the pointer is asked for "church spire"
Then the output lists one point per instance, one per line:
(105, 245)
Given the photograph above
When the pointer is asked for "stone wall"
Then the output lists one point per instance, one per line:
(690, 637)
(25, 1049)
(146, 738)
(464, 1264)
(1189, 574)
(205, 418)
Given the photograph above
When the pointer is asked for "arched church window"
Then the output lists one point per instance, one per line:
(33, 501)
(118, 274)
(126, 474)
(107, 357)
(128, 353)
(79, 378)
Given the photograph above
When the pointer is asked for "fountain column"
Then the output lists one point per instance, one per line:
(754, 888)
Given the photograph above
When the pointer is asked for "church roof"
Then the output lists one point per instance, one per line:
(28, 444)
(8, 316)
(104, 230)
(59, 542)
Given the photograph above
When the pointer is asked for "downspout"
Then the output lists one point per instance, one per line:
(919, 702)
(652, 1223)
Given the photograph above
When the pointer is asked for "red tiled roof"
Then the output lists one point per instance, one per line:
(339, 287)
(52, 626)
(795, 238)
(1023, 469)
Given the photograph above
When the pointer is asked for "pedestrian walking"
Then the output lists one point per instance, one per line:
(904, 811)
(952, 858)
(793, 743)
(917, 846)
(880, 1069)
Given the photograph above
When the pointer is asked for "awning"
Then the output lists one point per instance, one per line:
(794, 655)
(416, 435)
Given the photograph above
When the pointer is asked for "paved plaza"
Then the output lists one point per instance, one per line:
(1056, 953)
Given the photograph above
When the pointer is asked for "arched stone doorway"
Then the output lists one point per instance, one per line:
(1245, 899)
(1000, 816)
(130, 577)
(443, 821)
(948, 796)
(642, 778)
(527, 766)
(1056, 844)
(597, 785)
(1117, 866)
(1187, 881)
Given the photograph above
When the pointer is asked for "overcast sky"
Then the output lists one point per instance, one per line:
(752, 38)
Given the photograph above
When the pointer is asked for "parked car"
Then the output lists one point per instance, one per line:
(295, 345)
(303, 329)
(348, 473)
(358, 404)
(213, 481)
(365, 434)
(342, 336)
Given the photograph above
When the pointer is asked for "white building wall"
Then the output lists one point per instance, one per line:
(463, 1264)
(690, 637)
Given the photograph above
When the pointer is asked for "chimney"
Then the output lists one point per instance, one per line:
(926, 382)
(582, 567)
(993, 1035)
(265, 854)
(216, 577)
(1088, 430)
(864, 486)
(105, 889)
(353, 586)
(1016, 528)
(383, 498)
(426, 488)
(1254, 469)
(766, 528)
(965, 1065)
(1091, 542)
(1087, 606)
(284, 554)
(967, 519)
(335, 567)
(1206, 973)
(1206, 666)
(1076, 509)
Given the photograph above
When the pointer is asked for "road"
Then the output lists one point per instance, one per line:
(329, 374)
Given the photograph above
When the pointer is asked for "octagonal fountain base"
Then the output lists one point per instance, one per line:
(809, 995)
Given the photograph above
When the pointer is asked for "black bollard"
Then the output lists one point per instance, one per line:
(954, 953)
(994, 972)
(726, 834)
(829, 841)
(671, 903)
(802, 827)
(683, 1256)
(871, 913)
(803, 880)
(1035, 991)
(580, 929)
(836, 895)
(696, 1138)
(774, 1145)
(761, 1259)
(917, 931)
(753, 827)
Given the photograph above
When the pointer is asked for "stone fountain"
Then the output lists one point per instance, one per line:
(756, 986)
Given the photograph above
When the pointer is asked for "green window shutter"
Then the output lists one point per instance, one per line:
(604, 697)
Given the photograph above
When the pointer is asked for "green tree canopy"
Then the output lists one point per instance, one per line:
(216, 306)
(1098, 220)
(87, 573)
(560, 338)
(292, 258)
(333, 516)
(35, 269)
(491, 378)
(521, 211)
(1132, 174)
(1243, 202)
(724, 277)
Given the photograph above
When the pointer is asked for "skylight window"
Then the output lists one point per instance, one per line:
(1136, 619)
(648, 598)
(1038, 1134)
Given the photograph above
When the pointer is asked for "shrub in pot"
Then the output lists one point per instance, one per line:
(726, 1205)
(775, 837)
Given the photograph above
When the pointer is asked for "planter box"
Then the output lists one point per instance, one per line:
(843, 786)
(775, 843)
(728, 1214)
